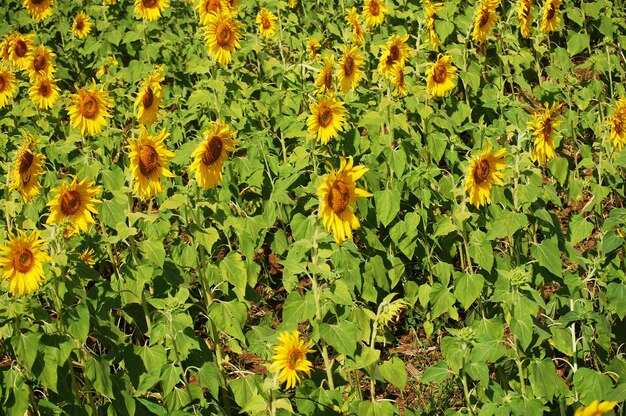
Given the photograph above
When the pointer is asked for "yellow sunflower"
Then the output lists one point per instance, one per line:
(338, 194)
(149, 98)
(290, 358)
(87, 256)
(90, 109)
(483, 171)
(150, 9)
(326, 79)
(222, 36)
(440, 76)
(352, 18)
(350, 72)
(207, 7)
(39, 9)
(44, 92)
(82, 25)
(327, 117)
(266, 21)
(399, 82)
(618, 123)
(395, 52)
(543, 128)
(293, 3)
(8, 86)
(431, 14)
(484, 19)
(551, 16)
(74, 204)
(40, 63)
(314, 47)
(211, 154)
(524, 16)
(21, 45)
(595, 408)
(26, 170)
(5, 46)
(22, 261)
(373, 13)
(149, 159)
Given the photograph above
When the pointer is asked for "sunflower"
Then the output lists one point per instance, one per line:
(39, 9)
(326, 80)
(484, 19)
(350, 72)
(352, 18)
(21, 45)
(90, 109)
(596, 408)
(327, 117)
(82, 25)
(483, 171)
(26, 170)
(290, 358)
(8, 86)
(550, 19)
(87, 256)
(222, 36)
(211, 154)
(373, 13)
(314, 47)
(149, 98)
(618, 123)
(399, 82)
(395, 52)
(149, 158)
(440, 76)
(74, 204)
(431, 14)
(150, 9)
(22, 260)
(44, 92)
(266, 21)
(338, 194)
(293, 3)
(40, 63)
(523, 13)
(5, 46)
(208, 7)
(543, 129)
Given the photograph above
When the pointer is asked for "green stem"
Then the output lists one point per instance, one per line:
(466, 392)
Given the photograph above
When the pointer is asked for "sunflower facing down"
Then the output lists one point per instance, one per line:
(290, 358)
(350, 72)
(618, 123)
(26, 170)
(327, 118)
(150, 9)
(39, 9)
(266, 21)
(484, 19)
(82, 25)
(210, 155)
(87, 255)
(325, 81)
(20, 46)
(74, 204)
(543, 128)
(40, 63)
(8, 86)
(21, 261)
(394, 53)
(338, 194)
(352, 18)
(373, 13)
(550, 18)
(524, 16)
(399, 82)
(313, 46)
(222, 36)
(440, 76)
(483, 171)
(149, 159)
(44, 93)
(90, 109)
(149, 98)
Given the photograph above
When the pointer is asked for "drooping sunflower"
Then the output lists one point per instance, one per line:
(543, 128)
(208, 7)
(5, 46)
(484, 19)
(39, 9)
(82, 25)
(74, 203)
(595, 408)
(350, 72)
(90, 109)
(338, 194)
(524, 16)
(44, 93)
(431, 14)
(21, 45)
(40, 63)
(618, 123)
(483, 171)
(325, 81)
(8, 86)
(395, 52)
(352, 18)
(26, 169)
(399, 81)
(266, 21)
(440, 76)
(21, 261)
(290, 358)
(210, 155)
(149, 98)
(149, 160)
(327, 118)
(551, 16)
(373, 13)
(150, 9)
(313, 46)
(222, 36)
(87, 255)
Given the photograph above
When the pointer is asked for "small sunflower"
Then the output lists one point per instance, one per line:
(74, 204)
(327, 117)
(290, 358)
(44, 93)
(90, 109)
(211, 154)
(484, 19)
(431, 14)
(314, 47)
(87, 255)
(440, 76)
(543, 128)
(208, 7)
(373, 13)
(21, 45)
(551, 16)
(326, 79)
(5, 46)
(350, 72)
(595, 408)
(338, 194)
(8, 86)
(524, 16)
(266, 21)
(293, 3)
(352, 18)
(82, 25)
(40, 63)
(150, 9)
(483, 171)
(149, 98)
(39, 9)
(399, 81)
(26, 170)
(149, 159)
(618, 123)
(222, 36)
(394, 53)
(21, 261)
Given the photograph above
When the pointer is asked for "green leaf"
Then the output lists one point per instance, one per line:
(153, 251)
(298, 309)
(437, 144)
(480, 250)
(579, 229)
(112, 213)
(229, 317)
(387, 205)
(97, 369)
(523, 330)
(468, 288)
(543, 378)
(549, 256)
(342, 337)
(394, 372)
(591, 385)
(577, 42)
(206, 237)
(616, 293)
(437, 373)
(441, 300)
(233, 270)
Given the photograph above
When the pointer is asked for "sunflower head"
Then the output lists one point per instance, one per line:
(26, 169)
(290, 358)
(266, 22)
(20, 46)
(431, 13)
(483, 171)
(90, 109)
(399, 81)
(350, 72)
(617, 123)
(550, 17)
(440, 76)
(44, 92)
(88, 256)
(373, 13)
(484, 19)
(149, 160)
(40, 63)
(74, 203)
(325, 81)
(149, 97)
(150, 9)
(394, 53)
(39, 9)
(327, 118)
(8, 86)
(21, 262)
(543, 128)
(313, 47)
(222, 36)
(524, 16)
(352, 19)
(82, 25)
(209, 156)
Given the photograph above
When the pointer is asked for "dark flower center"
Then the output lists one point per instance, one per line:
(39, 62)
(325, 116)
(374, 8)
(23, 260)
(481, 171)
(26, 161)
(148, 98)
(328, 79)
(20, 48)
(80, 24)
(44, 89)
(440, 73)
(348, 66)
(150, 3)
(223, 35)
(338, 197)
(148, 159)
(551, 11)
(265, 22)
(212, 151)
(2, 83)
(618, 125)
(394, 54)
(36, 2)
(484, 17)
(295, 356)
(70, 202)
(547, 129)
(88, 106)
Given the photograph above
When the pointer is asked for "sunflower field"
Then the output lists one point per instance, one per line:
(312, 207)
